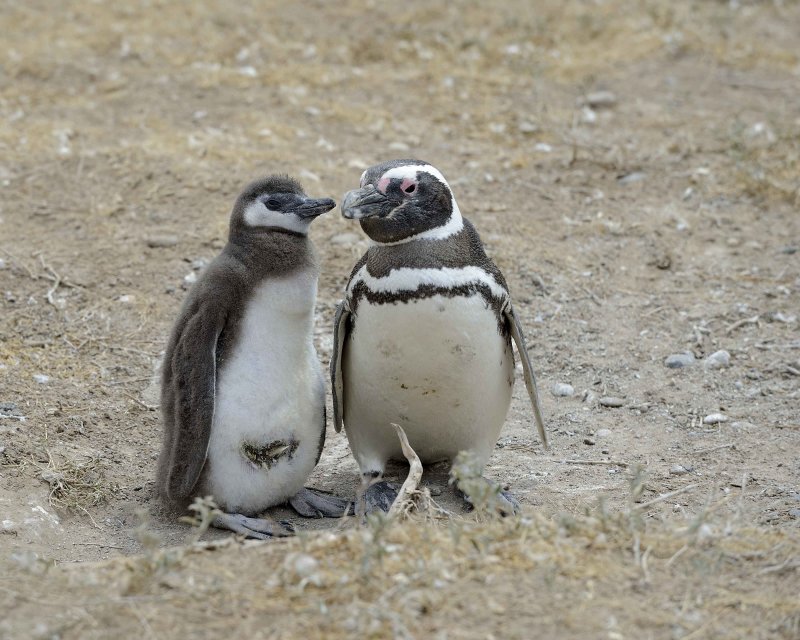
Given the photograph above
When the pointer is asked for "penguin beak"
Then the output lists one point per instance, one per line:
(313, 207)
(363, 203)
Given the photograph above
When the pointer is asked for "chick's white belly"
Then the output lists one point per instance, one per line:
(438, 367)
(269, 390)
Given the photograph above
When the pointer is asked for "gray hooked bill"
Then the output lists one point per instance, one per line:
(313, 207)
(363, 203)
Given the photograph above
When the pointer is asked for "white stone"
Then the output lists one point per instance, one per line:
(679, 360)
(715, 418)
(562, 390)
(346, 238)
(717, 360)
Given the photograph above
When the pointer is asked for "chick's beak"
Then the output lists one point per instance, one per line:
(313, 207)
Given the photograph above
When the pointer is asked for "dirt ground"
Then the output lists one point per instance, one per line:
(634, 170)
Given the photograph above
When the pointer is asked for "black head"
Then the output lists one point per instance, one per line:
(276, 203)
(402, 200)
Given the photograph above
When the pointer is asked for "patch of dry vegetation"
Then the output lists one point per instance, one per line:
(616, 575)
(420, 572)
(76, 485)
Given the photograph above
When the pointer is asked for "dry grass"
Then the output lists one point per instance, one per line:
(618, 575)
(611, 574)
(77, 485)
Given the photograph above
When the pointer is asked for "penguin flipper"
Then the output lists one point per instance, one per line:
(530, 380)
(341, 325)
(193, 373)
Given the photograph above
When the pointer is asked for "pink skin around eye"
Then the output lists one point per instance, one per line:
(383, 184)
(407, 182)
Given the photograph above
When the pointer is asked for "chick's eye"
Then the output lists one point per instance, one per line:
(273, 204)
(410, 188)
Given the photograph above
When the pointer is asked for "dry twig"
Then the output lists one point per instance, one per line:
(665, 496)
(411, 484)
(729, 445)
(605, 463)
(740, 323)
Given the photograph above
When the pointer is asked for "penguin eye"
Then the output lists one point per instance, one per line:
(408, 186)
(272, 203)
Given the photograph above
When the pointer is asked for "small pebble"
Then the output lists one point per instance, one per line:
(715, 418)
(717, 360)
(611, 401)
(679, 360)
(603, 433)
(161, 241)
(562, 390)
(588, 441)
(41, 378)
(588, 115)
(304, 567)
(704, 532)
(2, 264)
(629, 178)
(678, 470)
(301, 563)
(600, 99)
(347, 238)
(778, 316)
(190, 278)
(199, 264)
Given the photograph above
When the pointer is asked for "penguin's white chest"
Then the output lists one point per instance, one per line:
(438, 366)
(270, 400)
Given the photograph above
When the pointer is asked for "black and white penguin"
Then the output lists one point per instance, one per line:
(243, 395)
(423, 336)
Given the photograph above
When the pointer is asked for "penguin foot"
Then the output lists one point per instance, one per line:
(312, 503)
(259, 528)
(378, 496)
(509, 505)
(495, 498)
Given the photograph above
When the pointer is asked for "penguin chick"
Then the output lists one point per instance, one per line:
(423, 335)
(243, 396)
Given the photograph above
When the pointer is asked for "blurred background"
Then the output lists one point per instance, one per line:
(633, 166)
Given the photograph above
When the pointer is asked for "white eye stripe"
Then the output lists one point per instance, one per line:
(258, 215)
(410, 171)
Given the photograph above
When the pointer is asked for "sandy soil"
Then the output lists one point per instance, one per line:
(632, 168)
